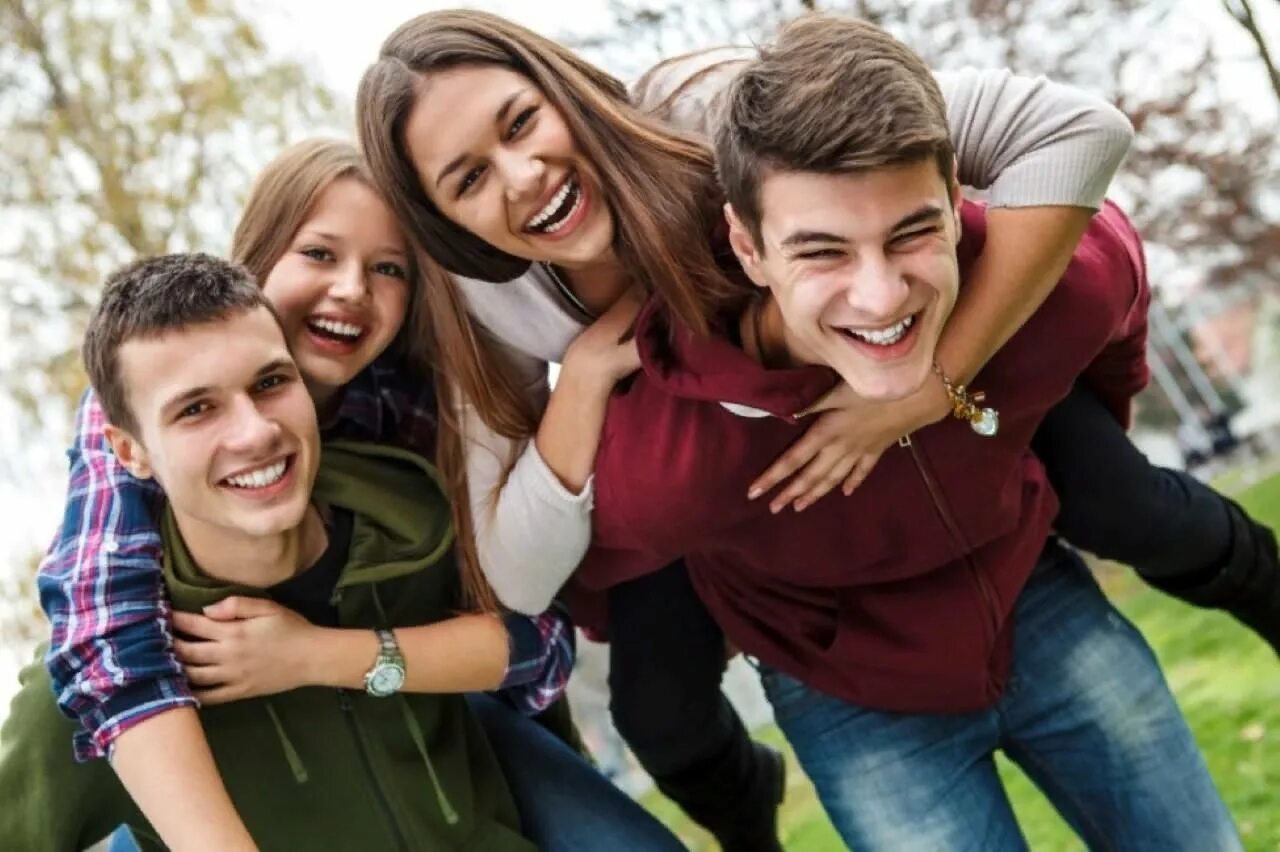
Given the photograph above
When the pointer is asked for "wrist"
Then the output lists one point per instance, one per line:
(585, 376)
(337, 657)
(934, 404)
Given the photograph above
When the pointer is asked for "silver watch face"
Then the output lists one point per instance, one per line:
(386, 679)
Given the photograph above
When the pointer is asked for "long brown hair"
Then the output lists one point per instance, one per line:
(659, 183)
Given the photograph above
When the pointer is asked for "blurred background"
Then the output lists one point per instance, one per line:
(133, 127)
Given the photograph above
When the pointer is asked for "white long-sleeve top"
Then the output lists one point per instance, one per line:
(1026, 141)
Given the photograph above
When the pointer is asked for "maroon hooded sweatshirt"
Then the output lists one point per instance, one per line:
(899, 597)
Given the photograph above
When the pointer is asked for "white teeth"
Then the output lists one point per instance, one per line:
(342, 329)
(551, 229)
(554, 205)
(260, 478)
(885, 336)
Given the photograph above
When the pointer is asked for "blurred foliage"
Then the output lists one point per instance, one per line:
(131, 127)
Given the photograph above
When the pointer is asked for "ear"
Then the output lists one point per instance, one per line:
(744, 246)
(129, 451)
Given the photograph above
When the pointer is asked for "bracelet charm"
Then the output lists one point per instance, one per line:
(967, 406)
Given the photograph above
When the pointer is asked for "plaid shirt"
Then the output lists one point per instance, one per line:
(111, 655)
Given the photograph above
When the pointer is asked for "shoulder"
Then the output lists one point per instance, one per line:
(686, 91)
(527, 313)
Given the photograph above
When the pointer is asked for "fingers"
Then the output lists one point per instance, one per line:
(232, 608)
(816, 480)
(796, 456)
(860, 472)
(203, 677)
(197, 653)
(199, 626)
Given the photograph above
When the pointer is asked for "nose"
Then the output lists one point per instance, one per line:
(522, 175)
(349, 282)
(251, 433)
(877, 289)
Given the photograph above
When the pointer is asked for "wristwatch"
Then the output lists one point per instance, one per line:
(387, 674)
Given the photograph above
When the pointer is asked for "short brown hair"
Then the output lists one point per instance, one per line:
(831, 95)
(152, 296)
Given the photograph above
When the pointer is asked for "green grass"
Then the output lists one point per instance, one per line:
(1227, 682)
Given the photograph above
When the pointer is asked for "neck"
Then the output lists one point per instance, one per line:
(764, 335)
(255, 561)
(598, 284)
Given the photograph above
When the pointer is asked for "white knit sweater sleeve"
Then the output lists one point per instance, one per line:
(1026, 140)
(1030, 141)
(531, 532)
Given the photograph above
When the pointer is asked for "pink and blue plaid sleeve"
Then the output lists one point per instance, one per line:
(110, 655)
(541, 660)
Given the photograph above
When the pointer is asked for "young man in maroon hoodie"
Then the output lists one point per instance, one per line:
(906, 632)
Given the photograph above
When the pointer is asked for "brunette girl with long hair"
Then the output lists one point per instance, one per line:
(553, 197)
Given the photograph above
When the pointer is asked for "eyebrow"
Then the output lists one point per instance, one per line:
(797, 238)
(916, 217)
(276, 365)
(499, 117)
(334, 238)
(924, 214)
(179, 400)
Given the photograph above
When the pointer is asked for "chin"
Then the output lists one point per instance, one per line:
(272, 520)
(888, 385)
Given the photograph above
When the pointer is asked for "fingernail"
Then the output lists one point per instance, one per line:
(754, 493)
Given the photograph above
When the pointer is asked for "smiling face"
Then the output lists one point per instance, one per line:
(341, 288)
(496, 157)
(223, 424)
(862, 268)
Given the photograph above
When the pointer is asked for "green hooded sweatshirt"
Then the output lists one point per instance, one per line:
(314, 768)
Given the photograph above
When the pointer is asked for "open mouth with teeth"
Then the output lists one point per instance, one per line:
(889, 341)
(335, 331)
(267, 479)
(560, 211)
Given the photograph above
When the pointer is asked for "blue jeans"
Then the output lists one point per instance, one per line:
(1086, 714)
(565, 805)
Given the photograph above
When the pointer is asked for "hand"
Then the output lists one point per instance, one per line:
(606, 350)
(243, 648)
(844, 443)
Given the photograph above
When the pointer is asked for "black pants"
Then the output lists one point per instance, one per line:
(668, 654)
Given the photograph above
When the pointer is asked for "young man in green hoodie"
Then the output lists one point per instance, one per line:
(203, 395)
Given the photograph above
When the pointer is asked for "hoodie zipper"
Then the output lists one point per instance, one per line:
(953, 529)
(348, 713)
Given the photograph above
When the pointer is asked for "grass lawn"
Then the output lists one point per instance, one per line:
(1226, 680)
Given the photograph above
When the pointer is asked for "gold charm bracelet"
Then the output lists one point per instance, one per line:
(968, 406)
